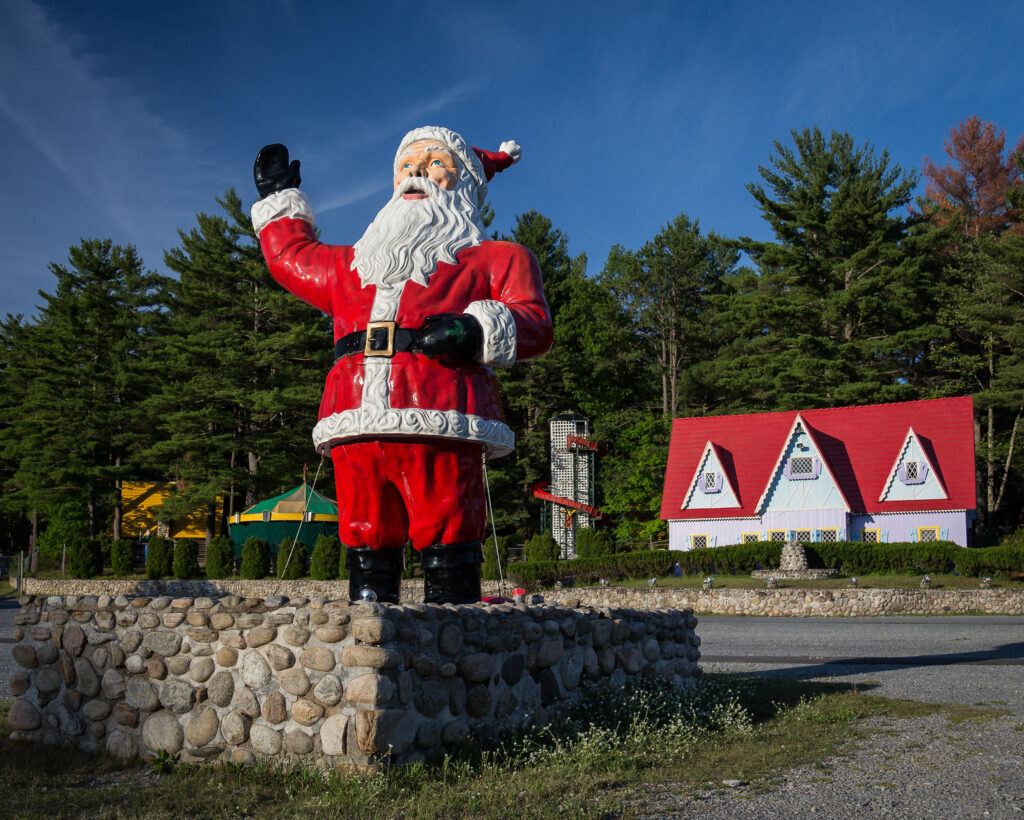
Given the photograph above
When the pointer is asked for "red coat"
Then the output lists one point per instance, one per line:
(411, 394)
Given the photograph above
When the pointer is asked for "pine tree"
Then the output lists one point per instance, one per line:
(665, 288)
(79, 374)
(843, 311)
(534, 391)
(244, 369)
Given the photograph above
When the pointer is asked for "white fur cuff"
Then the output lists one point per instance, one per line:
(499, 332)
(291, 202)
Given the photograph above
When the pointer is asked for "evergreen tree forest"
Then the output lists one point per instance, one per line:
(210, 378)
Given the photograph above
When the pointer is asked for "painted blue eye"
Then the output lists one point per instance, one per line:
(437, 162)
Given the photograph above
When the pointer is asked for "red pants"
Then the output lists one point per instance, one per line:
(426, 491)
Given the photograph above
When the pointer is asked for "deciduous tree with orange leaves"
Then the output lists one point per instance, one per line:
(974, 192)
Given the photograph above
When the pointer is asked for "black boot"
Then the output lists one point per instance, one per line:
(379, 571)
(451, 573)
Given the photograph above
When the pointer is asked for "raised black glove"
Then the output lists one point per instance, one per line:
(449, 336)
(272, 170)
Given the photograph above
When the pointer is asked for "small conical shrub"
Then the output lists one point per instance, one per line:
(159, 558)
(220, 558)
(255, 559)
(186, 558)
(122, 557)
(295, 567)
(327, 556)
(85, 558)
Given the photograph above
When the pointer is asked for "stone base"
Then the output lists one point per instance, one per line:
(333, 683)
(795, 574)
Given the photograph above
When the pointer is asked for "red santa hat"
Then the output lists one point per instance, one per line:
(479, 164)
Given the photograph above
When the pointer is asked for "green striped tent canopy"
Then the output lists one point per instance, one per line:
(301, 512)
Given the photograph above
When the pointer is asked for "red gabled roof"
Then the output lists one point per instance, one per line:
(859, 445)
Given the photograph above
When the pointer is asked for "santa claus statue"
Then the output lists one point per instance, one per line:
(424, 306)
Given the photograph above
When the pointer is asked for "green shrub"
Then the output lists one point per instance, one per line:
(541, 547)
(186, 558)
(220, 558)
(64, 523)
(85, 557)
(327, 560)
(591, 543)
(739, 559)
(122, 557)
(412, 560)
(255, 559)
(489, 570)
(159, 558)
(295, 566)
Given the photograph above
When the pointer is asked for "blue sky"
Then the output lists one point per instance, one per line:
(123, 120)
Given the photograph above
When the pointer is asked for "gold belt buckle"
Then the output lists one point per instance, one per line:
(389, 351)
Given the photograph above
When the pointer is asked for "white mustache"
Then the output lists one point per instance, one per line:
(422, 184)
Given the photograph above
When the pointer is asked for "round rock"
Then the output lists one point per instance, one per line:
(298, 743)
(202, 728)
(264, 740)
(255, 671)
(140, 693)
(235, 728)
(317, 658)
(162, 731)
(328, 690)
(201, 669)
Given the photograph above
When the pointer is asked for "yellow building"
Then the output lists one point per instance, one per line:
(139, 503)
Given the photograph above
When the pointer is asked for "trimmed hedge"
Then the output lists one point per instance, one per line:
(122, 557)
(739, 559)
(911, 558)
(159, 558)
(220, 558)
(255, 559)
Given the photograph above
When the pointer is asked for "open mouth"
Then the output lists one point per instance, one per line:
(415, 193)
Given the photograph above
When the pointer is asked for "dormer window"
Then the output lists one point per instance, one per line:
(801, 465)
(912, 472)
(710, 482)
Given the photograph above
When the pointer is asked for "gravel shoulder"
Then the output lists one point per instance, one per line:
(914, 768)
(909, 767)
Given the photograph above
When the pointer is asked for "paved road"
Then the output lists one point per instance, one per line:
(968, 660)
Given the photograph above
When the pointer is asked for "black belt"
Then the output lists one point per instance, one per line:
(379, 339)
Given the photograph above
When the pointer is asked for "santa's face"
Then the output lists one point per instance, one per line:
(429, 159)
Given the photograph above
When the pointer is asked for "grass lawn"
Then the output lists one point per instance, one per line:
(609, 751)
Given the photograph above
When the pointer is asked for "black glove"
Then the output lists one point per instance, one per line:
(451, 336)
(272, 171)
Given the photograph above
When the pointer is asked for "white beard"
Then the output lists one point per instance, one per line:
(407, 239)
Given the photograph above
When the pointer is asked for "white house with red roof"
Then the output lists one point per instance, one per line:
(878, 473)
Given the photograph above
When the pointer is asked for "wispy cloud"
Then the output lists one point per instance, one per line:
(94, 130)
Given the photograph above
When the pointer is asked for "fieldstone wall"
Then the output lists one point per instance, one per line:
(325, 681)
(811, 602)
(780, 601)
